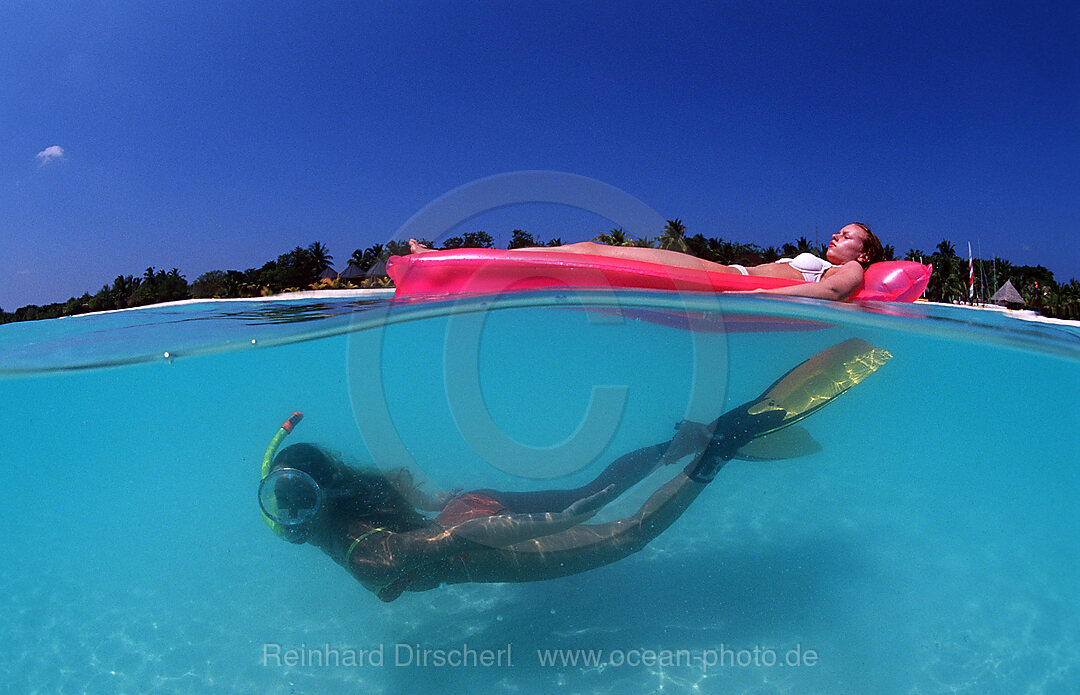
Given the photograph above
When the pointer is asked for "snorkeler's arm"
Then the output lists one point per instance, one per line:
(506, 529)
(416, 560)
(836, 286)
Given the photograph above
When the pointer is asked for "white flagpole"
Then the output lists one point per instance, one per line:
(971, 274)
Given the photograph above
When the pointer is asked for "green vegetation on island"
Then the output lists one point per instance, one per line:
(311, 268)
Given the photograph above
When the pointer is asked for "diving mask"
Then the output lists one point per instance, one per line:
(290, 498)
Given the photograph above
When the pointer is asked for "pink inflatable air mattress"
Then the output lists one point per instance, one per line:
(490, 271)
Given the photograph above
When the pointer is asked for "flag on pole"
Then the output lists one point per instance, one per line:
(971, 274)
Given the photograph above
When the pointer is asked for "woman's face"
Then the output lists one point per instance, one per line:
(847, 245)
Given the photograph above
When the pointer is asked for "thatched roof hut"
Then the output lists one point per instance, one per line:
(378, 269)
(352, 272)
(1007, 296)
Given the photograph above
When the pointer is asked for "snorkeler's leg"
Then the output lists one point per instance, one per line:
(804, 390)
(586, 546)
(619, 476)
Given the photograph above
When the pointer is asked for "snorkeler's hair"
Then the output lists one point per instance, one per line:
(370, 495)
(872, 248)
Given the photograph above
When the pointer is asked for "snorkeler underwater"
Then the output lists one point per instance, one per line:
(375, 523)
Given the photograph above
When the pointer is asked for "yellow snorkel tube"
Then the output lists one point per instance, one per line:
(268, 460)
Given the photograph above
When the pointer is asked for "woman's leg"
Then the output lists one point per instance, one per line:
(623, 473)
(692, 439)
(673, 259)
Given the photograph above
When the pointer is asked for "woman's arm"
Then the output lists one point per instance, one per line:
(422, 559)
(506, 529)
(837, 286)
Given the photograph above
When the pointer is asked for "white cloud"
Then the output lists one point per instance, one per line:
(50, 154)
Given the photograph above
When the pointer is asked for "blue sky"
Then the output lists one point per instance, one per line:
(215, 135)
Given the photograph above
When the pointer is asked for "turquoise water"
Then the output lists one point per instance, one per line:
(931, 546)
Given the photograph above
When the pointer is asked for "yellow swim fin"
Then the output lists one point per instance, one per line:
(817, 381)
(799, 393)
(787, 443)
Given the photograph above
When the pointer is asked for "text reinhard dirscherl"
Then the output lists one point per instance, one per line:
(402, 655)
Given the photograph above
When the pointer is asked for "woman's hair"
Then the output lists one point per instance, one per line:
(872, 248)
(357, 494)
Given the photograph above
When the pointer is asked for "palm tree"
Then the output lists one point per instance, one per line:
(698, 245)
(937, 289)
(957, 284)
(1070, 306)
(720, 251)
(915, 255)
(520, 239)
(469, 240)
(232, 284)
(123, 288)
(395, 247)
(616, 237)
(366, 258)
(946, 249)
(770, 254)
(801, 245)
(320, 256)
(672, 237)
(728, 252)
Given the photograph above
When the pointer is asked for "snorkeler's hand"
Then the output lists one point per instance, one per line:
(588, 506)
(505, 529)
